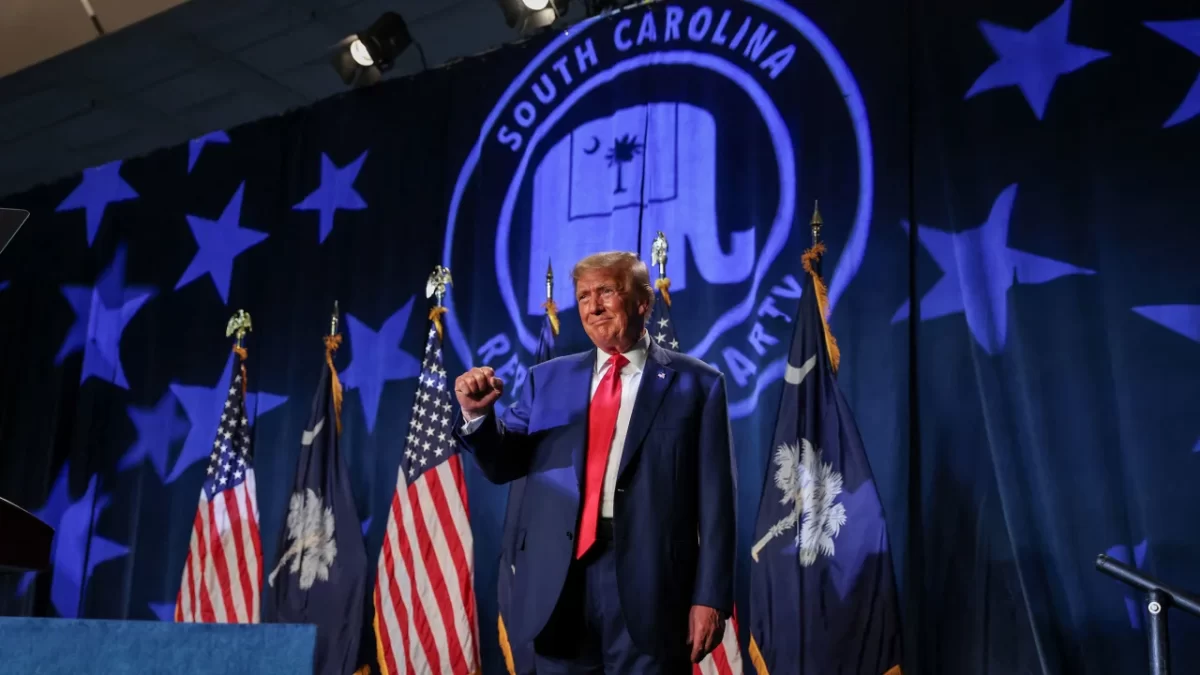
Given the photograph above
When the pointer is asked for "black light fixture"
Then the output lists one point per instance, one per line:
(529, 16)
(361, 59)
(598, 7)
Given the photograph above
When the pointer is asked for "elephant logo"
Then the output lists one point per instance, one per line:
(682, 119)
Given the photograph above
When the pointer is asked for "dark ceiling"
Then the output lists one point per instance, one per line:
(205, 65)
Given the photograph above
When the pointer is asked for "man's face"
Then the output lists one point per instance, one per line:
(612, 316)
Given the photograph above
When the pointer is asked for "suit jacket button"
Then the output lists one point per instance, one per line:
(570, 535)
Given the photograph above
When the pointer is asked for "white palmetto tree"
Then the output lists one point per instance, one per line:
(313, 547)
(811, 487)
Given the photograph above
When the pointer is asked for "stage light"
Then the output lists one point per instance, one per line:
(358, 52)
(528, 16)
(362, 59)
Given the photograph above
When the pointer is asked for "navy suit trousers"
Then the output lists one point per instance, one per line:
(587, 635)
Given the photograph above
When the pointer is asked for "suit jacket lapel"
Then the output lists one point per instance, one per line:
(656, 380)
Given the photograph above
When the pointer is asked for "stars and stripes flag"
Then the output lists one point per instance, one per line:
(822, 590)
(660, 327)
(223, 572)
(425, 618)
(726, 659)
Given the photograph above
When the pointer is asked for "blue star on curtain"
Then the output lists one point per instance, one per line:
(101, 186)
(978, 269)
(376, 358)
(75, 541)
(335, 192)
(101, 314)
(220, 241)
(1033, 60)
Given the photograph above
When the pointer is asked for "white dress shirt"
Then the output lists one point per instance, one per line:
(631, 379)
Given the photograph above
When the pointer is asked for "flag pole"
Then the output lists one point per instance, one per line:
(436, 286)
(240, 324)
(550, 306)
(817, 247)
(816, 223)
(658, 256)
(332, 342)
(811, 260)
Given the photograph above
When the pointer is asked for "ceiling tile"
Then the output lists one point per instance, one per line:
(189, 89)
(200, 66)
(256, 29)
(315, 79)
(203, 16)
(284, 51)
(101, 123)
(36, 151)
(230, 111)
(23, 115)
(136, 62)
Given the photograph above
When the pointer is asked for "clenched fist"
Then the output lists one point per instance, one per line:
(477, 389)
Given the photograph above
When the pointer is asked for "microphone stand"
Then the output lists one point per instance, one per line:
(1159, 598)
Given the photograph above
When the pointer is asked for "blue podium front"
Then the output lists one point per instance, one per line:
(73, 646)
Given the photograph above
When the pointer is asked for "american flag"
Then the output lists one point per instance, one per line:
(726, 659)
(424, 591)
(660, 326)
(223, 572)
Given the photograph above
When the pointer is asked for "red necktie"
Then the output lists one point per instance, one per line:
(602, 424)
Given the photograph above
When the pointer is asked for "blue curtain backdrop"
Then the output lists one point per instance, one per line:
(1009, 202)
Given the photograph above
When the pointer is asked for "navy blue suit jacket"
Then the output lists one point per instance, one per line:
(676, 481)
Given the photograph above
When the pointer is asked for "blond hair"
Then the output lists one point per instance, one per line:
(630, 269)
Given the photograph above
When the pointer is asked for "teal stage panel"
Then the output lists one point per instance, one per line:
(45, 646)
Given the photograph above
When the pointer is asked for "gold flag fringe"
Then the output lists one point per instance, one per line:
(663, 284)
(810, 257)
(241, 352)
(756, 658)
(551, 308)
(332, 342)
(379, 653)
(435, 315)
(760, 664)
(509, 662)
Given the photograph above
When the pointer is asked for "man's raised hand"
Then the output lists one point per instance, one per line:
(477, 389)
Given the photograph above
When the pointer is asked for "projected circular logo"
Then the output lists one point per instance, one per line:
(699, 120)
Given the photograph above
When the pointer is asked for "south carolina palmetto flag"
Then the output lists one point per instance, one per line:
(321, 573)
(726, 659)
(822, 590)
(425, 619)
(223, 572)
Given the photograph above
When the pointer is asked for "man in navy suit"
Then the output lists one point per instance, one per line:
(625, 545)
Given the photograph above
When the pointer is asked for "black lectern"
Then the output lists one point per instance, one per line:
(24, 540)
(11, 220)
